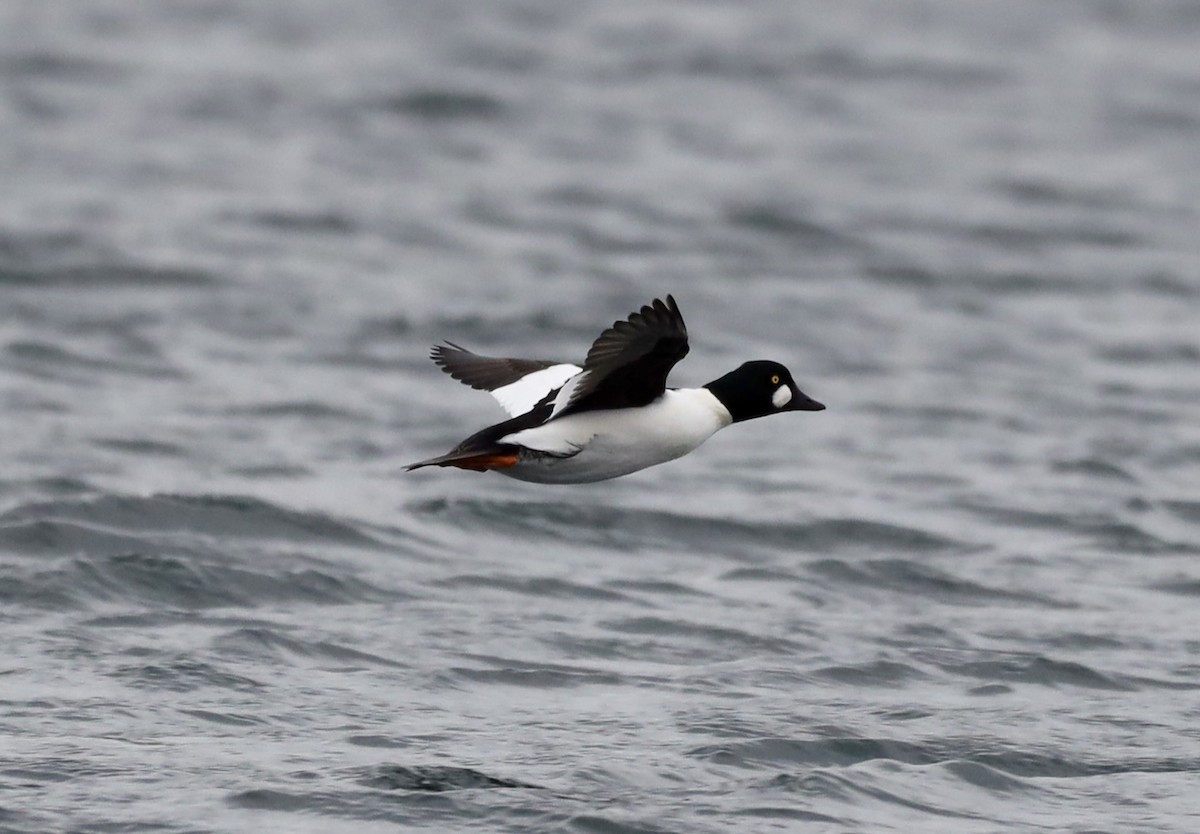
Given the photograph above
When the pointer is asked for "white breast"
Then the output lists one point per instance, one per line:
(597, 445)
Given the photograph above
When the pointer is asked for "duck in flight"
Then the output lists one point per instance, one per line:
(615, 415)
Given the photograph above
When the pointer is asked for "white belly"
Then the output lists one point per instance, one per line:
(598, 445)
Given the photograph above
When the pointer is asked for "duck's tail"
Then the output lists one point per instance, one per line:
(474, 460)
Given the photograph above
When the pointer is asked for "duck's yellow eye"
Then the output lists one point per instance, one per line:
(774, 379)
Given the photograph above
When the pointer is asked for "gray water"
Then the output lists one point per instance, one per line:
(963, 599)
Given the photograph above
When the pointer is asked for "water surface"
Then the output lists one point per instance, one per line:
(962, 599)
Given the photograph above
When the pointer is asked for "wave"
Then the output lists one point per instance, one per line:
(535, 586)
(912, 578)
(44, 360)
(712, 637)
(434, 778)
(210, 515)
(1104, 531)
(625, 528)
(183, 674)
(175, 551)
(516, 672)
(445, 105)
(102, 276)
(966, 759)
(193, 581)
(269, 644)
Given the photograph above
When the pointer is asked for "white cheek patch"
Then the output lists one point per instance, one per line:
(781, 397)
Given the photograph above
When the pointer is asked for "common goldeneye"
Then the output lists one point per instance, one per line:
(613, 416)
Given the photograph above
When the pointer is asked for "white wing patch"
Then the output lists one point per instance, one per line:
(568, 390)
(519, 397)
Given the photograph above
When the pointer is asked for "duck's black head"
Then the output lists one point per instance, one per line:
(759, 388)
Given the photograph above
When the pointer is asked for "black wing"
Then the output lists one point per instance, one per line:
(514, 383)
(627, 365)
(484, 373)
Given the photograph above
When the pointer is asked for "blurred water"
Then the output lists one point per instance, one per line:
(962, 599)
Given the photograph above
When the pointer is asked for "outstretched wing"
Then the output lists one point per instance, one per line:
(517, 384)
(628, 364)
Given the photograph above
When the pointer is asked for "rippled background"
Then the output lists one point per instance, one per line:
(963, 599)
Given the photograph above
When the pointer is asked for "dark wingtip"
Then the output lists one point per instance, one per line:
(650, 313)
(438, 353)
(658, 307)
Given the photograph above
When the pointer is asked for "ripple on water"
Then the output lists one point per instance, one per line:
(140, 446)
(711, 636)
(1185, 510)
(910, 577)
(516, 672)
(304, 222)
(876, 673)
(1103, 530)
(262, 643)
(1183, 586)
(105, 277)
(42, 537)
(210, 515)
(301, 409)
(190, 582)
(536, 586)
(786, 224)
(406, 796)
(184, 674)
(434, 778)
(993, 763)
(46, 360)
(445, 105)
(629, 528)
(825, 752)
(1024, 668)
(1094, 467)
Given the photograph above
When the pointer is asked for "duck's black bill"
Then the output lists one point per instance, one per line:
(803, 402)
